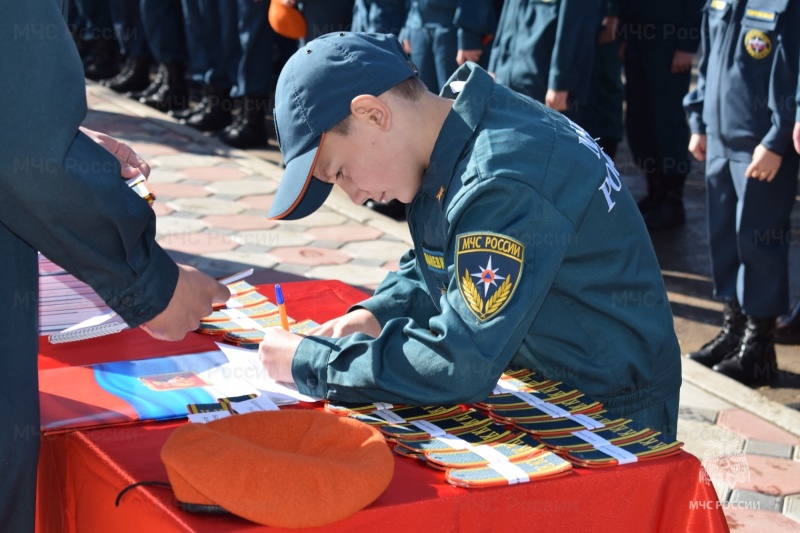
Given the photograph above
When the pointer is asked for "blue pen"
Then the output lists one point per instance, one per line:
(281, 307)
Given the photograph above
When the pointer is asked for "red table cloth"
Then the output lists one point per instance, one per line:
(81, 473)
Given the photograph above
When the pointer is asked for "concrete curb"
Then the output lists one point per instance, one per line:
(741, 396)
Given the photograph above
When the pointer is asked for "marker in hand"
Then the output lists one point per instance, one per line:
(281, 307)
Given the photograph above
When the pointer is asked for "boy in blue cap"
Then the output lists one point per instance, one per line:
(528, 250)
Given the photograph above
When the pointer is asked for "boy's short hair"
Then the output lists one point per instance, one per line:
(313, 95)
(411, 89)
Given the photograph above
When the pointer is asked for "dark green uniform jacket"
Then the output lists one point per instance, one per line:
(528, 251)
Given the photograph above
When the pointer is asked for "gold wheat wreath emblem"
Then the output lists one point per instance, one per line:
(489, 267)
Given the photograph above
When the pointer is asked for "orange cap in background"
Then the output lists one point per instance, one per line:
(286, 21)
(291, 468)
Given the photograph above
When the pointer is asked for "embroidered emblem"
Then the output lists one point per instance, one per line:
(489, 267)
(440, 194)
(757, 44)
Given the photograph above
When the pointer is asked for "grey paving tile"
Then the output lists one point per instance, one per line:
(693, 396)
(175, 225)
(698, 414)
(375, 249)
(272, 238)
(770, 449)
(205, 206)
(322, 218)
(259, 259)
(764, 502)
(245, 187)
(332, 245)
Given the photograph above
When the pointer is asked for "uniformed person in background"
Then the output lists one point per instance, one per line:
(528, 249)
(742, 114)
(660, 40)
(602, 117)
(439, 35)
(787, 330)
(379, 16)
(544, 50)
(62, 195)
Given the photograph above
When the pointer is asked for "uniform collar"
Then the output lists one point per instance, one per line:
(471, 87)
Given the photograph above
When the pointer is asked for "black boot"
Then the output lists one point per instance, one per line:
(655, 193)
(754, 361)
(174, 91)
(669, 213)
(726, 341)
(104, 60)
(215, 111)
(151, 89)
(135, 77)
(249, 130)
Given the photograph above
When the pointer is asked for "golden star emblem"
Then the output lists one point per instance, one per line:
(440, 194)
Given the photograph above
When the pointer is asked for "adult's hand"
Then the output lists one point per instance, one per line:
(468, 55)
(358, 321)
(556, 99)
(796, 137)
(609, 31)
(192, 300)
(681, 61)
(697, 146)
(130, 162)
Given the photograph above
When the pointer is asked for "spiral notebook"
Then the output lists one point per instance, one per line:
(97, 326)
(110, 322)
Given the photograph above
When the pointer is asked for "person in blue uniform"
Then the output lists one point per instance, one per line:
(741, 115)
(660, 41)
(787, 329)
(544, 50)
(379, 16)
(63, 196)
(603, 113)
(528, 249)
(440, 35)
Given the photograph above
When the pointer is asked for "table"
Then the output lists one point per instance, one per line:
(81, 473)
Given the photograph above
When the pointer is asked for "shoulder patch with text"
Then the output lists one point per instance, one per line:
(489, 266)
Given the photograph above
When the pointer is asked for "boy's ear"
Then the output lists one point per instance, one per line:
(371, 109)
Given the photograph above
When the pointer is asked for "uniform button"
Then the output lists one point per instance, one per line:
(311, 381)
(143, 311)
(127, 301)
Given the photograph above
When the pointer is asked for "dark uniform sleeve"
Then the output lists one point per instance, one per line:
(693, 102)
(62, 193)
(453, 357)
(783, 84)
(401, 293)
(475, 19)
(689, 30)
(575, 37)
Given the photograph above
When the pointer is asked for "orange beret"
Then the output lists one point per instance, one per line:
(286, 20)
(291, 468)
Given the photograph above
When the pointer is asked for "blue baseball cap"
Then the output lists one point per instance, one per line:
(313, 94)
